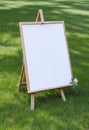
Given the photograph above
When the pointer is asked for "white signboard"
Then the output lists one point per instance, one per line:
(46, 56)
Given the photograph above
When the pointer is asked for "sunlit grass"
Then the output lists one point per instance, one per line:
(18, 4)
(51, 113)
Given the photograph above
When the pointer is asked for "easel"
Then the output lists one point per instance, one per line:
(39, 18)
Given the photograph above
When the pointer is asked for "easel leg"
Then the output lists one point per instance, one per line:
(62, 95)
(32, 101)
(22, 77)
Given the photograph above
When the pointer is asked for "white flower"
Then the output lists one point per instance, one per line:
(75, 80)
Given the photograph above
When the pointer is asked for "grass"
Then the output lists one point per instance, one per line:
(51, 112)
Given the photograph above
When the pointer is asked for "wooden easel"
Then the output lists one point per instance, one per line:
(39, 18)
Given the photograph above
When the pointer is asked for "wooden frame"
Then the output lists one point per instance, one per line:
(39, 18)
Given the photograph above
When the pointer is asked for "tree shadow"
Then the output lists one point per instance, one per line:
(11, 63)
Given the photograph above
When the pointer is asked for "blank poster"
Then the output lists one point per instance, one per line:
(46, 55)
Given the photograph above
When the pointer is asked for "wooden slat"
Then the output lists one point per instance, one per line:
(62, 94)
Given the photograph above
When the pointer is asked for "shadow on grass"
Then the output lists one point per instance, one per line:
(11, 63)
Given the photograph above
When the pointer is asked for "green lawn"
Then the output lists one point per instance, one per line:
(50, 113)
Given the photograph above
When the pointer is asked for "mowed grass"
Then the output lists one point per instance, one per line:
(50, 113)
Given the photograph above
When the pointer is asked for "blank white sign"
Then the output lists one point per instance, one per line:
(46, 56)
